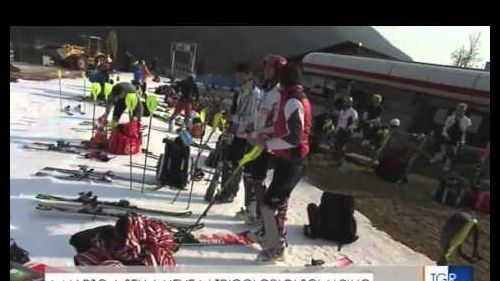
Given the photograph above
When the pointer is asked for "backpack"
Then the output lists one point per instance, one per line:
(18, 254)
(451, 193)
(174, 165)
(216, 154)
(84, 240)
(334, 219)
(456, 231)
(126, 139)
(390, 169)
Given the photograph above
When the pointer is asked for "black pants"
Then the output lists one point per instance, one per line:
(257, 169)
(286, 176)
(232, 155)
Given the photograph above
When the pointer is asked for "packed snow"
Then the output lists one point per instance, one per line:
(35, 116)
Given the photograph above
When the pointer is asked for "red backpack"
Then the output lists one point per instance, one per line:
(125, 139)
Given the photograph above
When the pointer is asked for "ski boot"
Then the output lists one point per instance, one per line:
(224, 198)
(252, 220)
(257, 236)
(78, 109)
(272, 255)
(242, 214)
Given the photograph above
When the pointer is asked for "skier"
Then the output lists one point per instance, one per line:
(141, 73)
(453, 136)
(256, 172)
(290, 147)
(371, 120)
(104, 70)
(243, 117)
(188, 93)
(117, 101)
(155, 69)
(346, 123)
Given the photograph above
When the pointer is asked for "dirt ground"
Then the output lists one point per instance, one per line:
(38, 72)
(407, 212)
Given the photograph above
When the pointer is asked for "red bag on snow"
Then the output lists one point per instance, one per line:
(483, 202)
(126, 139)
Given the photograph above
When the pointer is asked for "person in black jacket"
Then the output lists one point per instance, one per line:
(188, 93)
(117, 102)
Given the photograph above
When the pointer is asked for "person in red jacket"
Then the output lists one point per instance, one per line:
(290, 147)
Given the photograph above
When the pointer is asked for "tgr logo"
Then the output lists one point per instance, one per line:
(448, 273)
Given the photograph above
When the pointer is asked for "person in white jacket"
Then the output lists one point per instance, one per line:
(346, 124)
(453, 135)
(266, 114)
(243, 118)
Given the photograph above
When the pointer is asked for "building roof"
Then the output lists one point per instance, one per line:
(347, 48)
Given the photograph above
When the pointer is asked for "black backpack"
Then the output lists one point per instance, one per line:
(334, 219)
(18, 254)
(390, 169)
(173, 166)
(83, 240)
(450, 192)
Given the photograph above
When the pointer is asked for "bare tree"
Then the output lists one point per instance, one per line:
(468, 57)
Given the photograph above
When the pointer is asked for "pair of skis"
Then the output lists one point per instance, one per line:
(83, 174)
(100, 211)
(82, 149)
(60, 145)
(183, 234)
(87, 198)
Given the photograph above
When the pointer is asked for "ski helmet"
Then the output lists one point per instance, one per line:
(395, 122)
(377, 98)
(347, 101)
(276, 60)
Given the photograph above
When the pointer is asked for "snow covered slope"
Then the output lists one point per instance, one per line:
(35, 116)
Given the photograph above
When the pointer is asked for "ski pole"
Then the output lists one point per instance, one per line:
(247, 158)
(215, 124)
(59, 75)
(95, 90)
(84, 92)
(107, 91)
(151, 104)
(131, 101)
(203, 117)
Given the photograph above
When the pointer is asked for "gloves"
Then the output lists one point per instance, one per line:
(259, 141)
(114, 124)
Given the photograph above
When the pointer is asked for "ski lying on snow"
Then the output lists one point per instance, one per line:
(99, 211)
(52, 148)
(87, 174)
(75, 177)
(61, 144)
(88, 198)
(216, 239)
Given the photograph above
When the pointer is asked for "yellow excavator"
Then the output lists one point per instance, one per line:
(83, 57)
